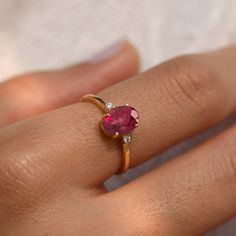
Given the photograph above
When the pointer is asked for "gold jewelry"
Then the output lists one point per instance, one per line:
(117, 123)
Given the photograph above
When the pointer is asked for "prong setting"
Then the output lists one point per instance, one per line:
(106, 115)
(115, 135)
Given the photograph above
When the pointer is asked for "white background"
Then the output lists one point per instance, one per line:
(44, 34)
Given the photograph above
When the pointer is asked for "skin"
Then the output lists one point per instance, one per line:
(53, 164)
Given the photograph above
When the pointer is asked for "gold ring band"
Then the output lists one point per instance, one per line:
(117, 122)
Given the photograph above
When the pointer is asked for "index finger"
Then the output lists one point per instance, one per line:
(35, 93)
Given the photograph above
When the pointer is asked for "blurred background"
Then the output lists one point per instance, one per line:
(44, 34)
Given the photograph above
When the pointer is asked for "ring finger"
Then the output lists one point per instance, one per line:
(176, 100)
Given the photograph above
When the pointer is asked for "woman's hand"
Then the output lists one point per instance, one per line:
(52, 166)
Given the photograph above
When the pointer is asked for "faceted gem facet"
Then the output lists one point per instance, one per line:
(121, 120)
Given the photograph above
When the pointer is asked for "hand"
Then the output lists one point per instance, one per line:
(52, 166)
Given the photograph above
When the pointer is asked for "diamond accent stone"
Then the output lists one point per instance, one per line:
(126, 139)
(109, 105)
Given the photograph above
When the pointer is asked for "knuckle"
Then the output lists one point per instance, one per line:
(22, 181)
(15, 175)
(198, 83)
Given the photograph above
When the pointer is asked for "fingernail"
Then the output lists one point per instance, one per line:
(108, 52)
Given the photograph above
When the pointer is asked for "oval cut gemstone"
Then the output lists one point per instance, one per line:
(121, 120)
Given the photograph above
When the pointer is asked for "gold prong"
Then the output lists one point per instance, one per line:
(106, 115)
(115, 135)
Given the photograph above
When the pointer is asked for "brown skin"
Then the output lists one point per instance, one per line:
(52, 166)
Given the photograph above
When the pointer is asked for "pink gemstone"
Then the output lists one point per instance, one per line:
(122, 120)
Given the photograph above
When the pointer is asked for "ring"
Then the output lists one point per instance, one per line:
(118, 123)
